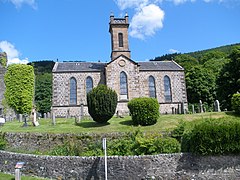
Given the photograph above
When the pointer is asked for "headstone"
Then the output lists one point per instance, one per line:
(217, 106)
(2, 121)
(182, 108)
(173, 112)
(200, 107)
(82, 111)
(20, 118)
(178, 109)
(45, 116)
(53, 119)
(193, 110)
(34, 117)
(49, 115)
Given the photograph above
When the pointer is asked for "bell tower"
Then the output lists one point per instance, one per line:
(118, 28)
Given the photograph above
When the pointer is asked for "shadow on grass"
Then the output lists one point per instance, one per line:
(128, 122)
(91, 124)
(232, 113)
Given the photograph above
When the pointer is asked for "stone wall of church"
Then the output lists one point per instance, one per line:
(131, 69)
(61, 92)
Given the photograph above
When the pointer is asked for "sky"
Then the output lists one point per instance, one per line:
(77, 30)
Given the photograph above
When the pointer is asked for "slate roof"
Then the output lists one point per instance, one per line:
(78, 67)
(160, 66)
(98, 67)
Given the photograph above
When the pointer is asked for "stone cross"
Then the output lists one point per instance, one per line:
(217, 106)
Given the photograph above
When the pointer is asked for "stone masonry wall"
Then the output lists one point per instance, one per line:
(164, 166)
(61, 89)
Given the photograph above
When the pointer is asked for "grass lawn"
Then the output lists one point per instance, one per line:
(165, 123)
(4, 176)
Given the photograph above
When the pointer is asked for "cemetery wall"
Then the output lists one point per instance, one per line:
(31, 142)
(164, 166)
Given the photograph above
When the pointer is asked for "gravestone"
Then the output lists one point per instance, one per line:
(20, 118)
(53, 119)
(193, 110)
(217, 106)
(182, 108)
(173, 112)
(34, 117)
(200, 107)
(45, 116)
(81, 112)
(49, 115)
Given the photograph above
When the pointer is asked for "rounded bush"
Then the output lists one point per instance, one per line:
(235, 101)
(102, 103)
(144, 111)
(213, 137)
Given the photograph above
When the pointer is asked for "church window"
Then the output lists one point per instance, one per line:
(152, 88)
(73, 91)
(167, 89)
(89, 84)
(120, 39)
(123, 85)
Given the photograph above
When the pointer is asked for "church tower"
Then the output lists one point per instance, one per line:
(118, 27)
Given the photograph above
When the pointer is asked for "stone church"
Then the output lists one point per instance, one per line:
(163, 80)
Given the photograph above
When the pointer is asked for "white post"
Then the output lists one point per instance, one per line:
(17, 174)
(105, 155)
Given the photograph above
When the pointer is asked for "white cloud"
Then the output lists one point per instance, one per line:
(146, 21)
(19, 3)
(12, 53)
(172, 51)
(125, 4)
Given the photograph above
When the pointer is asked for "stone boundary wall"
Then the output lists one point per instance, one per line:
(164, 166)
(46, 141)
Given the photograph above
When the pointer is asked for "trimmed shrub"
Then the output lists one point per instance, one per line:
(236, 103)
(102, 103)
(144, 111)
(213, 137)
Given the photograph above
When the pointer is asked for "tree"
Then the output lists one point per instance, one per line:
(43, 92)
(200, 85)
(228, 82)
(102, 103)
(186, 61)
(19, 81)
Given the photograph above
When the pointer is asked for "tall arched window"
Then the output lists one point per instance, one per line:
(152, 88)
(73, 91)
(123, 85)
(89, 84)
(120, 39)
(167, 89)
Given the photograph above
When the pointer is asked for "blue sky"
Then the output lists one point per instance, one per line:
(77, 30)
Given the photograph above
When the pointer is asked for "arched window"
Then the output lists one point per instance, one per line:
(89, 84)
(123, 85)
(152, 88)
(167, 89)
(120, 39)
(73, 91)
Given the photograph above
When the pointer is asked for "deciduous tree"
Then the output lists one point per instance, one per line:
(19, 81)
